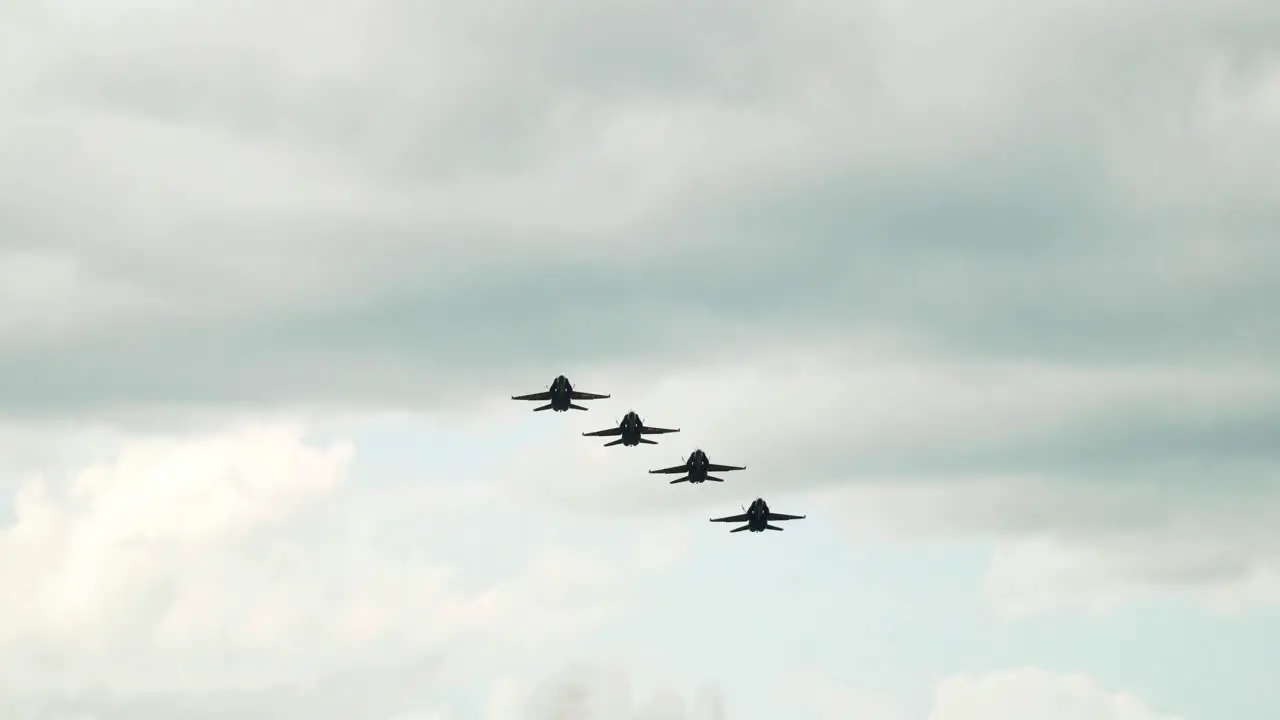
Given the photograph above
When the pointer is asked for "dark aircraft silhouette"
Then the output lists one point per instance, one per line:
(757, 518)
(696, 469)
(631, 429)
(561, 394)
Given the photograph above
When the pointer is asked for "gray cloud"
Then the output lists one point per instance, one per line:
(819, 415)
(373, 217)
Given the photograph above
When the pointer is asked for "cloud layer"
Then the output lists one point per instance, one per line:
(345, 210)
(945, 269)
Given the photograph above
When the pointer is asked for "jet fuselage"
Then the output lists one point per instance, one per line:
(757, 515)
(698, 463)
(561, 394)
(630, 425)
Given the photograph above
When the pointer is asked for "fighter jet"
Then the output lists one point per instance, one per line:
(631, 429)
(757, 518)
(561, 394)
(696, 469)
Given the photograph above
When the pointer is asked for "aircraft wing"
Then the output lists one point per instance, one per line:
(544, 395)
(575, 395)
(731, 518)
(604, 433)
(723, 468)
(646, 430)
(779, 516)
(671, 470)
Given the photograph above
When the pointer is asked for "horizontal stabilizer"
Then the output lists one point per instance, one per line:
(576, 407)
(647, 441)
(773, 527)
(615, 442)
(679, 480)
(542, 407)
(745, 527)
(714, 479)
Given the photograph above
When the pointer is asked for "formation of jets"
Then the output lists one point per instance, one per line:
(630, 432)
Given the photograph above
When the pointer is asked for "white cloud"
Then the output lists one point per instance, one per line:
(598, 692)
(1020, 693)
(1015, 694)
(1094, 545)
(816, 696)
(90, 565)
(1229, 560)
(1032, 693)
(241, 561)
(608, 693)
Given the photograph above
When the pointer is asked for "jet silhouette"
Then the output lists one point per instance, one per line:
(561, 394)
(757, 518)
(631, 428)
(696, 469)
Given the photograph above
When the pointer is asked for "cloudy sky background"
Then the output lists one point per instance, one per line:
(987, 289)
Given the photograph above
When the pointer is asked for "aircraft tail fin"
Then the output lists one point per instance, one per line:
(714, 479)
(576, 407)
(773, 527)
(615, 442)
(542, 407)
(744, 527)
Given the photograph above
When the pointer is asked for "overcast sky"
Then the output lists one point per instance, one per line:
(986, 289)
